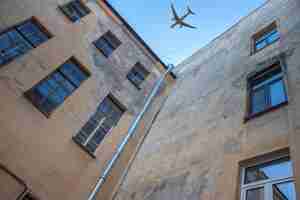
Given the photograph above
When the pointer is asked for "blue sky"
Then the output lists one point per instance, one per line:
(152, 19)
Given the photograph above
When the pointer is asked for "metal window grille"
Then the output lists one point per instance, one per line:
(99, 125)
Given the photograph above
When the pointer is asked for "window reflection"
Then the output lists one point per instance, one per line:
(284, 191)
(255, 194)
(277, 93)
(275, 169)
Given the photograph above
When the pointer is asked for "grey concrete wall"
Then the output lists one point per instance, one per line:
(194, 149)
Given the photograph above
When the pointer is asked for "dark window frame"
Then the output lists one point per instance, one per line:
(86, 9)
(108, 37)
(38, 24)
(263, 33)
(81, 144)
(138, 67)
(29, 196)
(277, 65)
(29, 94)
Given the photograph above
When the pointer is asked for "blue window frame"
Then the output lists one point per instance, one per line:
(54, 89)
(107, 43)
(137, 75)
(267, 90)
(266, 37)
(20, 39)
(75, 10)
(107, 115)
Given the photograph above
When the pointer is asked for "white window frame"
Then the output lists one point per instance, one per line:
(265, 184)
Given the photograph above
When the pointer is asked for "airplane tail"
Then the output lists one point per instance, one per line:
(190, 11)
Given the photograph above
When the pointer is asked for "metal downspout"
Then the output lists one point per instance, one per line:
(104, 175)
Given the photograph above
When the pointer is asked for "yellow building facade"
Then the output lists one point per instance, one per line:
(69, 92)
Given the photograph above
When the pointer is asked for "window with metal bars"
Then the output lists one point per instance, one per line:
(266, 90)
(137, 75)
(266, 37)
(75, 10)
(107, 43)
(20, 39)
(51, 92)
(107, 116)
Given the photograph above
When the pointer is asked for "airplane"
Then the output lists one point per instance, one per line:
(180, 20)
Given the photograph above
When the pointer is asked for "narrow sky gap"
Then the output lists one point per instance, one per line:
(152, 20)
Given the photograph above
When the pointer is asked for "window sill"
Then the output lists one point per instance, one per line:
(134, 84)
(252, 116)
(84, 148)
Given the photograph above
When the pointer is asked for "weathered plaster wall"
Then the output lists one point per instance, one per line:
(40, 150)
(194, 149)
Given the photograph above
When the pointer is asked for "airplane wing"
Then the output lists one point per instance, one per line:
(174, 12)
(187, 25)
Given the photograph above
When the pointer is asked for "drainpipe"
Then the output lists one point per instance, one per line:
(130, 133)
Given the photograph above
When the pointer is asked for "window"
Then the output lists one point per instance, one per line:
(53, 90)
(99, 125)
(75, 10)
(266, 37)
(269, 181)
(28, 197)
(20, 39)
(137, 75)
(267, 90)
(107, 43)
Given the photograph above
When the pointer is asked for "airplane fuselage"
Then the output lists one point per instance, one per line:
(179, 21)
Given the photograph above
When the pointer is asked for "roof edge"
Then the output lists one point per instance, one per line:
(243, 18)
(136, 35)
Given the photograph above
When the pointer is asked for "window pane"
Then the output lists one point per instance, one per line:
(64, 88)
(274, 35)
(267, 36)
(80, 8)
(104, 47)
(255, 194)
(73, 73)
(137, 75)
(70, 12)
(112, 40)
(277, 93)
(260, 45)
(12, 45)
(33, 33)
(43, 90)
(284, 191)
(111, 113)
(99, 135)
(259, 100)
(49, 104)
(75, 10)
(64, 83)
(51, 92)
(277, 169)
